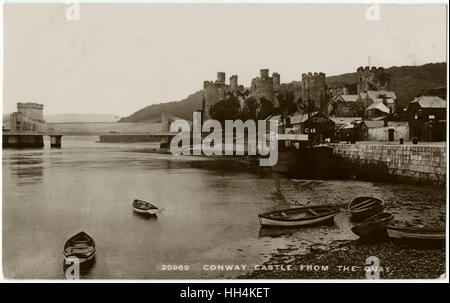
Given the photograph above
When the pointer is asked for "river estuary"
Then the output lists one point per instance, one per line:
(210, 214)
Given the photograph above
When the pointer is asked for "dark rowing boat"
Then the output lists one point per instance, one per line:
(143, 207)
(299, 216)
(417, 236)
(373, 228)
(81, 246)
(362, 208)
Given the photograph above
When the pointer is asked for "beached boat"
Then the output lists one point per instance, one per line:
(362, 208)
(142, 207)
(81, 246)
(373, 228)
(417, 236)
(299, 216)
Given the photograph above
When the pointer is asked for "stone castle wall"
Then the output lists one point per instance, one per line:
(419, 163)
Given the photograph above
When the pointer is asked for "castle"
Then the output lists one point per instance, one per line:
(314, 94)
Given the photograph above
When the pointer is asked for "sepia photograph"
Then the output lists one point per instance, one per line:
(224, 141)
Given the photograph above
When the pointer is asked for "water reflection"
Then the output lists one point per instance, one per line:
(29, 168)
(145, 217)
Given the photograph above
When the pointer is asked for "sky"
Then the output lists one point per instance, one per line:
(119, 58)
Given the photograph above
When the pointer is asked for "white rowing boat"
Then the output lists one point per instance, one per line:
(302, 216)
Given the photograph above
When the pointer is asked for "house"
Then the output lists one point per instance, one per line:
(388, 98)
(383, 130)
(376, 110)
(293, 122)
(350, 132)
(427, 118)
(347, 106)
(344, 126)
(319, 128)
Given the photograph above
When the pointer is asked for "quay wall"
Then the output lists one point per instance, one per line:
(419, 163)
(23, 141)
(129, 138)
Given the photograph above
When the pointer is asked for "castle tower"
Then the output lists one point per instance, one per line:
(372, 79)
(264, 74)
(276, 81)
(314, 88)
(220, 78)
(234, 83)
(263, 86)
(30, 110)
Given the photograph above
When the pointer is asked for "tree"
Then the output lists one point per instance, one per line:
(266, 108)
(250, 109)
(226, 109)
(287, 102)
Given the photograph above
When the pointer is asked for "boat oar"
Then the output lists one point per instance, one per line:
(365, 205)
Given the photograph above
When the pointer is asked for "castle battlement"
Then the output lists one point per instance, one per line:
(313, 76)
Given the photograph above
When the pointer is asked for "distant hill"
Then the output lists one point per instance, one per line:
(182, 109)
(407, 82)
(81, 118)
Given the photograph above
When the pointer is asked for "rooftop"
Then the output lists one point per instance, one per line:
(379, 106)
(348, 98)
(430, 102)
(376, 94)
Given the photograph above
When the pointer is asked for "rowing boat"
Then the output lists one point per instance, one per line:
(417, 236)
(373, 228)
(301, 216)
(143, 207)
(362, 208)
(80, 246)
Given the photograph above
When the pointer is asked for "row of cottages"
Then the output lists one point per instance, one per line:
(426, 121)
(374, 130)
(369, 104)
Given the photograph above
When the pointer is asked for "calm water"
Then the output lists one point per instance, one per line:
(209, 217)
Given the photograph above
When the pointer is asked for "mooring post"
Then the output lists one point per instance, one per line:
(55, 141)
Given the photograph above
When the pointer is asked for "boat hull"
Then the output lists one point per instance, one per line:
(144, 208)
(359, 215)
(273, 222)
(82, 259)
(375, 230)
(301, 216)
(80, 246)
(145, 212)
(416, 238)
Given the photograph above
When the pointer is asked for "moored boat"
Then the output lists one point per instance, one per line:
(81, 246)
(417, 236)
(362, 208)
(301, 216)
(373, 228)
(143, 207)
